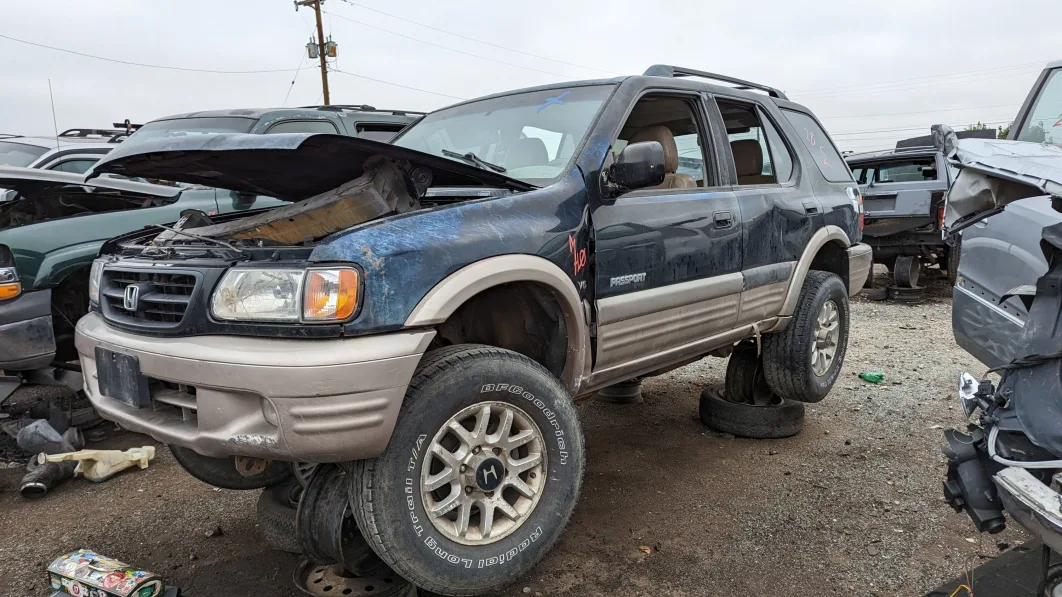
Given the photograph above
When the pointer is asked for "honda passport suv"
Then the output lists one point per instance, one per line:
(423, 313)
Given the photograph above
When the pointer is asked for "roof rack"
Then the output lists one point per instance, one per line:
(666, 70)
(365, 108)
(9, 136)
(92, 132)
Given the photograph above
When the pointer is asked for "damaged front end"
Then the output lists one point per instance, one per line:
(1009, 459)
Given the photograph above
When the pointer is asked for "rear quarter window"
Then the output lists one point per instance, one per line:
(825, 155)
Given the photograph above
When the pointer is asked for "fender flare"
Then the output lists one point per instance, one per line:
(457, 288)
(829, 233)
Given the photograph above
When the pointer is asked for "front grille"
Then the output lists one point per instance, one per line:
(159, 299)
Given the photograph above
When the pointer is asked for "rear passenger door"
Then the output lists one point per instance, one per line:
(779, 211)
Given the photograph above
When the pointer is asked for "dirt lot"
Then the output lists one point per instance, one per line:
(850, 507)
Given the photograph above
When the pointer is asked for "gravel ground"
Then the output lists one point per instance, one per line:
(851, 506)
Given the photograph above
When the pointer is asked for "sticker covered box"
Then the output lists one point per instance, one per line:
(84, 573)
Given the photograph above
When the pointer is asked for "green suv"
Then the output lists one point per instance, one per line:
(54, 227)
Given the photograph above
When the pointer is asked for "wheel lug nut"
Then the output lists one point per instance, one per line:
(476, 450)
(496, 451)
(532, 475)
(468, 490)
(463, 468)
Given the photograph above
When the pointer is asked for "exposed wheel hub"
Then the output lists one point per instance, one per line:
(484, 473)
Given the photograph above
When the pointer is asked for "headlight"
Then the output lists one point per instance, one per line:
(95, 274)
(258, 295)
(312, 296)
(9, 284)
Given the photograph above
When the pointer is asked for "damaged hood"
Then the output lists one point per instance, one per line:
(28, 183)
(994, 173)
(291, 166)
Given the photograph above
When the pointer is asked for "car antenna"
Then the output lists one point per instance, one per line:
(196, 236)
(55, 126)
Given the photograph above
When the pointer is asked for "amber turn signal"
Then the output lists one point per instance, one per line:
(9, 291)
(330, 294)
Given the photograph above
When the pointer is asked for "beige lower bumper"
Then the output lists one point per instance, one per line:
(860, 260)
(300, 400)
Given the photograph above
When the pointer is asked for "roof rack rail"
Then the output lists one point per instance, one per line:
(364, 108)
(666, 70)
(91, 132)
(121, 126)
(9, 136)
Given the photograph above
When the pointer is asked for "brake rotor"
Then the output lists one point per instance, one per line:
(330, 581)
(915, 294)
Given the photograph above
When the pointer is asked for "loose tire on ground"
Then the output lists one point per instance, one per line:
(276, 516)
(783, 418)
(387, 492)
(787, 355)
(907, 271)
(221, 472)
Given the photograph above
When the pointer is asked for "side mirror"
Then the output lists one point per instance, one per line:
(241, 200)
(639, 165)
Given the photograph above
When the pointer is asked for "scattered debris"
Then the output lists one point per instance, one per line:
(872, 377)
(645, 549)
(215, 532)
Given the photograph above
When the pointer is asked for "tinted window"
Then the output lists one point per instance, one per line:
(909, 170)
(303, 126)
(78, 166)
(1044, 123)
(17, 154)
(379, 132)
(823, 152)
(181, 127)
(781, 159)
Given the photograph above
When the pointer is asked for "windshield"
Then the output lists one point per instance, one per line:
(18, 154)
(531, 135)
(180, 127)
(1044, 123)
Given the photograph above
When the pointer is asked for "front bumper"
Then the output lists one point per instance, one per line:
(1034, 505)
(334, 400)
(27, 340)
(860, 260)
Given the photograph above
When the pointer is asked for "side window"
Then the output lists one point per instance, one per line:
(671, 122)
(77, 166)
(303, 126)
(781, 159)
(378, 132)
(749, 144)
(822, 150)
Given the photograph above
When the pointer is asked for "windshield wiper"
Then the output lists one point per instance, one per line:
(474, 159)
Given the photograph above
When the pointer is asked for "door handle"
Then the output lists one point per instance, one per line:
(723, 219)
(811, 208)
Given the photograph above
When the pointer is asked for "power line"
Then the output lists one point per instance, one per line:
(923, 78)
(336, 70)
(478, 41)
(126, 62)
(927, 111)
(417, 39)
(292, 86)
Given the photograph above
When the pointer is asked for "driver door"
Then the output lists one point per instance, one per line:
(667, 258)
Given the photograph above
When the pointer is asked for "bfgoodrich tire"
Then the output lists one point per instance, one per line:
(510, 434)
(794, 360)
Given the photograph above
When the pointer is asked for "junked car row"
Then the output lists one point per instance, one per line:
(389, 334)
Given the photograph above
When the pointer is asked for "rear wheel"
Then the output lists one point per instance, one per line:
(480, 476)
(803, 361)
(953, 263)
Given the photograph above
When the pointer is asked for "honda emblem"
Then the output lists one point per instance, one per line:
(131, 297)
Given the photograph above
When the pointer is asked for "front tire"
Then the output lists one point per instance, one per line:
(803, 361)
(472, 411)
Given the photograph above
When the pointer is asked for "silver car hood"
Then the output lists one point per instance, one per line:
(994, 173)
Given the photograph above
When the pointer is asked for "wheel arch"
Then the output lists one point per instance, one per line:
(504, 275)
(826, 250)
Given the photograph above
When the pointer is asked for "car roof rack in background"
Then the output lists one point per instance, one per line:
(365, 108)
(666, 70)
(9, 136)
(85, 133)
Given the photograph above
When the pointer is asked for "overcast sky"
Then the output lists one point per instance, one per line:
(866, 69)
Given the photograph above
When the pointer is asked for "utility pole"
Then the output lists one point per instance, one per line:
(321, 51)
